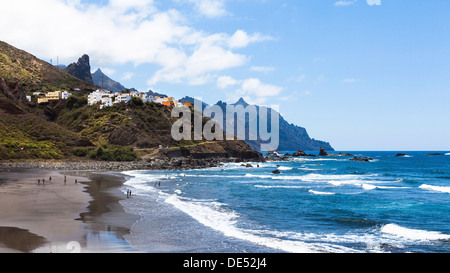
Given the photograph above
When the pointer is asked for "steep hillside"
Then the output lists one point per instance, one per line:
(18, 66)
(25, 133)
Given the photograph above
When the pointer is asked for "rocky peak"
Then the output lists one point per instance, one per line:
(242, 102)
(81, 69)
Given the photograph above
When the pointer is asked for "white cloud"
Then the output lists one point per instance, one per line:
(344, 3)
(225, 81)
(210, 8)
(127, 76)
(256, 92)
(125, 31)
(263, 69)
(241, 39)
(108, 71)
(252, 89)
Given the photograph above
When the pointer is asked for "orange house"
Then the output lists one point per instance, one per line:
(167, 103)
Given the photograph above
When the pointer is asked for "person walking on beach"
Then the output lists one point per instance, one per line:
(128, 193)
(76, 181)
(65, 180)
(39, 181)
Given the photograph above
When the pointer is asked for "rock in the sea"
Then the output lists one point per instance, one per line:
(299, 153)
(361, 159)
(276, 172)
(248, 165)
(435, 154)
(322, 152)
(401, 154)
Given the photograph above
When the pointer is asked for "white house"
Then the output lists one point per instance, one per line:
(103, 96)
(123, 98)
(65, 95)
(159, 100)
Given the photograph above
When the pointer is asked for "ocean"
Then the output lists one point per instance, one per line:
(316, 204)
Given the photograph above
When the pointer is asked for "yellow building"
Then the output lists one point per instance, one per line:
(50, 96)
(57, 95)
(42, 100)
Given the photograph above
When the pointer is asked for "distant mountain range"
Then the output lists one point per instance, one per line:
(292, 137)
(100, 79)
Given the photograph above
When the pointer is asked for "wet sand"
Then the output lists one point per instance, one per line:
(62, 217)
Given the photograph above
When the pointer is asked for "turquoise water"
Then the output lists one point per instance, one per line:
(326, 204)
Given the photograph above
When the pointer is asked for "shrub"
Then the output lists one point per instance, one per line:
(76, 102)
(113, 153)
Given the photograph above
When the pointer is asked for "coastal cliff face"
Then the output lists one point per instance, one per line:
(292, 137)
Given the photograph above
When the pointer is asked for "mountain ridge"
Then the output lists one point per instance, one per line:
(292, 137)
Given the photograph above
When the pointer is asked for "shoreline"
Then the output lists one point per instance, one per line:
(62, 217)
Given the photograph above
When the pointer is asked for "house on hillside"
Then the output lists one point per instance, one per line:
(102, 96)
(122, 98)
(53, 96)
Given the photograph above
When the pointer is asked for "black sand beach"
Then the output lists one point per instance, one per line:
(58, 216)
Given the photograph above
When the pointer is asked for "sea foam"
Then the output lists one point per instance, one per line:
(321, 193)
(435, 188)
(224, 221)
(413, 234)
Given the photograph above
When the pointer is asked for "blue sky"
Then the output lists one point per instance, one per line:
(359, 76)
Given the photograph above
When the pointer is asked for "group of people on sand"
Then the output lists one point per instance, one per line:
(50, 179)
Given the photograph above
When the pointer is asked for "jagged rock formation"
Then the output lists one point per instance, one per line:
(81, 69)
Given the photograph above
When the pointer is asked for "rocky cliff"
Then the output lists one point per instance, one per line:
(292, 137)
(81, 69)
